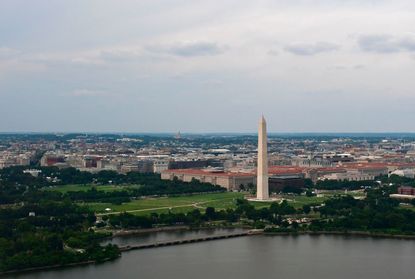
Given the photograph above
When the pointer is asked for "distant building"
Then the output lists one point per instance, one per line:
(107, 165)
(145, 166)
(338, 158)
(33, 172)
(352, 175)
(402, 197)
(406, 191)
(197, 164)
(312, 163)
(348, 172)
(142, 166)
(281, 176)
(410, 173)
(228, 180)
(160, 166)
(278, 182)
(126, 168)
(51, 159)
(14, 161)
(90, 162)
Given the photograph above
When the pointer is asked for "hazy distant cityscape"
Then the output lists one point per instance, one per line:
(318, 157)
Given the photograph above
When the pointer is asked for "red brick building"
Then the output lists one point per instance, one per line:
(406, 191)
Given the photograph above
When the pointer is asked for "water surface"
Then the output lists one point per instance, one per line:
(311, 257)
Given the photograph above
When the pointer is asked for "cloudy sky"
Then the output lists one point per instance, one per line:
(207, 66)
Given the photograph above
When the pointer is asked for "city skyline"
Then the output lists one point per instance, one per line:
(145, 67)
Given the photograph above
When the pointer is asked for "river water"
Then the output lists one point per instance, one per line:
(311, 257)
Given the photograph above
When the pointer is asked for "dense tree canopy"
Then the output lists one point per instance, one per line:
(18, 186)
(57, 234)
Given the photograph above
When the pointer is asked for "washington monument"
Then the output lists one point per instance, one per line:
(262, 171)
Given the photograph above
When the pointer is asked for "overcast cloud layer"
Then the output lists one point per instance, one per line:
(207, 66)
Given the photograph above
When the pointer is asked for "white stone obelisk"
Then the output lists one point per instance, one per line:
(262, 168)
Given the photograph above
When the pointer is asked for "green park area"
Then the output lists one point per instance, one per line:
(219, 201)
(183, 203)
(145, 206)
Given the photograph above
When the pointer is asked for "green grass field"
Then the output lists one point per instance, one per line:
(219, 201)
(410, 207)
(187, 203)
(176, 204)
(77, 187)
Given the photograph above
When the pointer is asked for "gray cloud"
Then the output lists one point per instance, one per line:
(346, 67)
(189, 49)
(359, 66)
(408, 44)
(87, 92)
(119, 55)
(386, 43)
(273, 52)
(6, 52)
(94, 57)
(142, 55)
(307, 49)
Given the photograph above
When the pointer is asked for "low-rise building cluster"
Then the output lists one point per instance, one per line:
(225, 160)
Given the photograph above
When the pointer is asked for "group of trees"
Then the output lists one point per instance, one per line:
(243, 211)
(16, 186)
(397, 180)
(377, 213)
(393, 180)
(341, 185)
(57, 234)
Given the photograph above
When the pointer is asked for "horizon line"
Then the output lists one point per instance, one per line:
(200, 133)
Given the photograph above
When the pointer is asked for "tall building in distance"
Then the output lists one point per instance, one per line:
(262, 168)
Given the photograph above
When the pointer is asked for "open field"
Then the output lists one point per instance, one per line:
(176, 204)
(78, 187)
(187, 203)
(410, 207)
(219, 201)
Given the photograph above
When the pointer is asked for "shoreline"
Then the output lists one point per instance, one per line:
(346, 233)
(48, 267)
(119, 233)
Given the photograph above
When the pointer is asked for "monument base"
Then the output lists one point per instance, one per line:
(265, 200)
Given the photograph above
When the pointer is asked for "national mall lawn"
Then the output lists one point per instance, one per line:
(183, 203)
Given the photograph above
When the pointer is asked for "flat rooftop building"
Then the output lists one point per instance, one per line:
(228, 180)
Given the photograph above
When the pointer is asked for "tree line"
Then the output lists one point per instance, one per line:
(244, 211)
(377, 213)
(18, 186)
